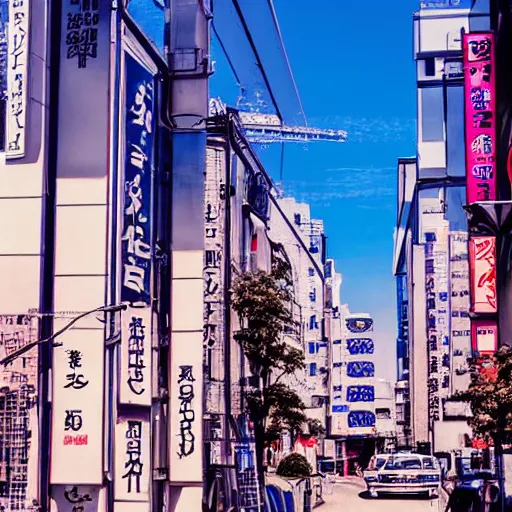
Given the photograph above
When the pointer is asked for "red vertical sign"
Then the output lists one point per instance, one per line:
(482, 264)
(480, 123)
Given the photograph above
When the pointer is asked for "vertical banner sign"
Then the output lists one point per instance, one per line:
(482, 258)
(17, 77)
(459, 307)
(484, 336)
(19, 435)
(133, 453)
(135, 374)
(213, 336)
(185, 441)
(480, 116)
(358, 390)
(136, 238)
(77, 423)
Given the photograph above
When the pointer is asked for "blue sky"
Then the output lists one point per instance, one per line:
(353, 65)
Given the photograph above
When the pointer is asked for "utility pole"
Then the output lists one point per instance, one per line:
(188, 110)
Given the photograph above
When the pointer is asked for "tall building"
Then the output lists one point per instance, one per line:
(90, 195)
(352, 422)
(431, 250)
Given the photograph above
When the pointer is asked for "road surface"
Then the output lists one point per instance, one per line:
(350, 496)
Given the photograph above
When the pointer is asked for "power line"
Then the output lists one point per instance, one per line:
(224, 50)
(283, 48)
(257, 56)
(17, 353)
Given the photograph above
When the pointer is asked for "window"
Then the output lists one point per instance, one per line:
(430, 66)
(296, 219)
(312, 369)
(455, 147)
(432, 114)
(311, 271)
(401, 463)
(312, 347)
(312, 295)
(313, 324)
(382, 414)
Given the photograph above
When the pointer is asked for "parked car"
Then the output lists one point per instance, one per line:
(401, 473)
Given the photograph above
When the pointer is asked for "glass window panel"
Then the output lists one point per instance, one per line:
(456, 158)
(455, 214)
(432, 114)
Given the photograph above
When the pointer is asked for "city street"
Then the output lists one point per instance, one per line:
(350, 496)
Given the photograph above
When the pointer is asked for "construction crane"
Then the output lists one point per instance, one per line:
(261, 128)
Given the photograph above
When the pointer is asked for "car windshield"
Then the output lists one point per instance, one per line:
(395, 463)
(376, 463)
(429, 463)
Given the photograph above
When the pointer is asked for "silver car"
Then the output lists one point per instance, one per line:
(400, 473)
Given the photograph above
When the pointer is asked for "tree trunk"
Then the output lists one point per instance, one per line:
(498, 454)
(259, 441)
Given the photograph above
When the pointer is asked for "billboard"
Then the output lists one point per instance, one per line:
(213, 272)
(359, 325)
(135, 374)
(480, 123)
(186, 385)
(133, 460)
(77, 419)
(137, 210)
(482, 261)
(460, 325)
(484, 336)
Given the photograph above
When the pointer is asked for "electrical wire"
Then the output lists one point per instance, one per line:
(283, 48)
(17, 353)
(228, 58)
(259, 62)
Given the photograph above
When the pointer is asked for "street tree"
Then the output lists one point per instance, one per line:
(490, 397)
(263, 302)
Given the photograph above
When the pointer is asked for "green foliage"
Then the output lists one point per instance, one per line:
(490, 398)
(263, 302)
(294, 465)
(315, 427)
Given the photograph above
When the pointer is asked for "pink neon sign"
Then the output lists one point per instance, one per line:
(480, 104)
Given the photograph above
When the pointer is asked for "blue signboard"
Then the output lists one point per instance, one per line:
(446, 4)
(340, 408)
(359, 324)
(360, 369)
(360, 394)
(361, 419)
(357, 346)
(149, 15)
(137, 210)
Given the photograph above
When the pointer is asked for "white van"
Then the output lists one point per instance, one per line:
(403, 472)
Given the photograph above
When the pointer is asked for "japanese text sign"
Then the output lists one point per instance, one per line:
(135, 384)
(133, 455)
(480, 109)
(482, 260)
(77, 420)
(137, 211)
(186, 384)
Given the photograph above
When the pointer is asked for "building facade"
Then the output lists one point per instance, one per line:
(431, 244)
